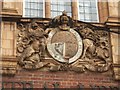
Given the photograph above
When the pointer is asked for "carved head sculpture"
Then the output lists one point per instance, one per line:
(34, 25)
(64, 18)
(35, 30)
(35, 45)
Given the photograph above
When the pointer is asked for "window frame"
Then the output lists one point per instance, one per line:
(90, 20)
(43, 10)
(58, 10)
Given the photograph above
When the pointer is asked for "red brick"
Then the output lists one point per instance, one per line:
(65, 79)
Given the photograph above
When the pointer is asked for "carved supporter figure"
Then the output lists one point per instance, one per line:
(31, 55)
(96, 51)
(88, 40)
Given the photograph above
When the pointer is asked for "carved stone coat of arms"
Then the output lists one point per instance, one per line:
(63, 45)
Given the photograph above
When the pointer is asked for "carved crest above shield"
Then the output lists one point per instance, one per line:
(64, 45)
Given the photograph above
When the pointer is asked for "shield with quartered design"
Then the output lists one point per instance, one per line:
(64, 44)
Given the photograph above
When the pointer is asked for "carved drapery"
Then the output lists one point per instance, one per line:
(63, 45)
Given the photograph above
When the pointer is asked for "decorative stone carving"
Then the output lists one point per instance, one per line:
(96, 49)
(69, 46)
(31, 46)
(64, 46)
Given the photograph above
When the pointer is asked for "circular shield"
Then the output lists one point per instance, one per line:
(64, 46)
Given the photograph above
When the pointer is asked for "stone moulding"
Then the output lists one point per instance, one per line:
(8, 66)
(89, 46)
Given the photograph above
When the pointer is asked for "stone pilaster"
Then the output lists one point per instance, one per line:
(47, 9)
(74, 10)
(116, 54)
(103, 11)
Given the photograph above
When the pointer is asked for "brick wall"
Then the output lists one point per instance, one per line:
(64, 79)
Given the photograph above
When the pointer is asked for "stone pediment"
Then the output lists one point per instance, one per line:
(63, 45)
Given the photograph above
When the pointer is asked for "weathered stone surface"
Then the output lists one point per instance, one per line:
(116, 73)
(66, 44)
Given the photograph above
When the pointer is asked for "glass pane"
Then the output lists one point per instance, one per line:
(81, 0)
(40, 6)
(59, 13)
(87, 10)
(54, 14)
(93, 4)
(87, 4)
(32, 0)
(68, 3)
(93, 10)
(81, 4)
(27, 12)
(35, 5)
(94, 17)
(27, 5)
(81, 9)
(54, 7)
(53, 2)
(35, 13)
(86, 0)
(81, 16)
(32, 5)
(61, 2)
(87, 16)
(40, 14)
(61, 8)
(68, 8)
(87, 20)
(32, 13)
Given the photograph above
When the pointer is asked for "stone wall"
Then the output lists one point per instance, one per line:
(8, 40)
(115, 42)
(12, 8)
(65, 79)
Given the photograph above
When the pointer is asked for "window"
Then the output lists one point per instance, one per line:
(88, 10)
(33, 8)
(57, 7)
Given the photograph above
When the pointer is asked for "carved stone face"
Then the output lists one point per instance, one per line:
(36, 45)
(34, 26)
(64, 19)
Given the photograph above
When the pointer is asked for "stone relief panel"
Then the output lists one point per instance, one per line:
(30, 45)
(96, 49)
(69, 46)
